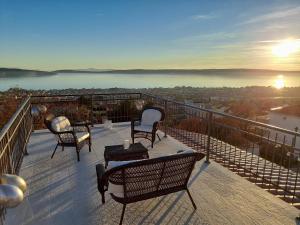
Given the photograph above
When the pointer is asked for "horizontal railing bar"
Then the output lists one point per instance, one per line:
(15, 130)
(13, 118)
(72, 100)
(78, 95)
(258, 136)
(228, 115)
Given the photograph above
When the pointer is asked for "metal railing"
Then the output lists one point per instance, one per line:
(13, 141)
(117, 107)
(266, 155)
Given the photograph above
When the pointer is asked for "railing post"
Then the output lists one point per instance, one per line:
(209, 126)
(92, 111)
(295, 137)
(25, 124)
(24, 133)
(166, 113)
(31, 116)
(10, 168)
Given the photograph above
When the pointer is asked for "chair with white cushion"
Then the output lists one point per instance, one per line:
(67, 134)
(146, 126)
(137, 180)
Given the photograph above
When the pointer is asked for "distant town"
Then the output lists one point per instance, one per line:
(264, 104)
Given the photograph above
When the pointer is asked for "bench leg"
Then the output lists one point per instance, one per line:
(54, 151)
(122, 216)
(194, 205)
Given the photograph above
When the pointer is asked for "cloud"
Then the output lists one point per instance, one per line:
(204, 16)
(276, 41)
(209, 37)
(273, 15)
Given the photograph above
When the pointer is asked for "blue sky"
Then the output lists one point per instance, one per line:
(74, 34)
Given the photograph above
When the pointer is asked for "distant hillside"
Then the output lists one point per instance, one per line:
(11, 72)
(184, 71)
(81, 71)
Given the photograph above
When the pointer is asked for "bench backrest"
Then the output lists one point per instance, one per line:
(153, 177)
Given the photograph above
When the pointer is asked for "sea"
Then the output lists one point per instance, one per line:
(109, 80)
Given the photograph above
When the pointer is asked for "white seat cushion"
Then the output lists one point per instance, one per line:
(113, 164)
(150, 116)
(187, 151)
(61, 123)
(144, 128)
(115, 189)
(81, 136)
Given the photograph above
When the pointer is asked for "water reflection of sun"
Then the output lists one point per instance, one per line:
(279, 82)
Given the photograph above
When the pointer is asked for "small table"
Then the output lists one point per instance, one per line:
(118, 153)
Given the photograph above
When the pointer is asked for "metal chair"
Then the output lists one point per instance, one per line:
(67, 134)
(146, 126)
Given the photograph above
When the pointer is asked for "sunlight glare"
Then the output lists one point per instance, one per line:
(286, 47)
(279, 82)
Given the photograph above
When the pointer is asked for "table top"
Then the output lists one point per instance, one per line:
(133, 148)
(118, 153)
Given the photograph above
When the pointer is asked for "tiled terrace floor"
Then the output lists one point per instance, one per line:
(62, 191)
(246, 163)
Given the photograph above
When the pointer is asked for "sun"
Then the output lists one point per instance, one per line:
(286, 47)
(279, 82)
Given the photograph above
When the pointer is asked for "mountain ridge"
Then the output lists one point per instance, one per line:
(7, 72)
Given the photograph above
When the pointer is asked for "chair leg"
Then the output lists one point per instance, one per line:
(77, 152)
(122, 216)
(152, 139)
(103, 197)
(78, 157)
(90, 145)
(194, 205)
(54, 151)
(158, 137)
(62, 148)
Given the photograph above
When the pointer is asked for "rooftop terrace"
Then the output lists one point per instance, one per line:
(63, 191)
(253, 177)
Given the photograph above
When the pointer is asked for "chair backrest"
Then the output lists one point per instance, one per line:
(151, 115)
(150, 178)
(57, 124)
(47, 121)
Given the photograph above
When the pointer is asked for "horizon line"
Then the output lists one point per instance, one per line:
(147, 69)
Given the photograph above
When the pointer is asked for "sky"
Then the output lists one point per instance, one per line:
(150, 34)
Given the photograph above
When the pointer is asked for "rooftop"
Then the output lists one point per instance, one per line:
(64, 191)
